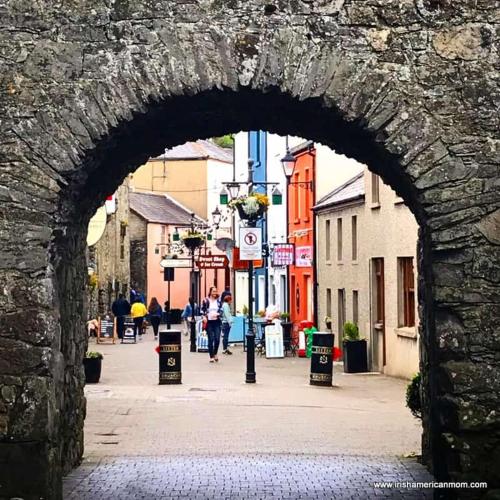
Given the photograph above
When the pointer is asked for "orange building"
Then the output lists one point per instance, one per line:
(300, 233)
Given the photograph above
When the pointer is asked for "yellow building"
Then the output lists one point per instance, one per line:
(191, 174)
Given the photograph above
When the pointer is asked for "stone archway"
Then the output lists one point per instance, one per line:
(91, 90)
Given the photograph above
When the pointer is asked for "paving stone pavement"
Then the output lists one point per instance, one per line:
(245, 477)
(216, 437)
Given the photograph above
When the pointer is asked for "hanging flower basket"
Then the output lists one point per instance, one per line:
(193, 240)
(251, 207)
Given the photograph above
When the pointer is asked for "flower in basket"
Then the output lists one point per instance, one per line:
(251, 205)
(193, 235)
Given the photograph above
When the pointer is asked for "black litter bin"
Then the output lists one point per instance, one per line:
(322, 359)
(170, 357)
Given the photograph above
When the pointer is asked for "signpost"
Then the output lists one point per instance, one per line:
(250, 243)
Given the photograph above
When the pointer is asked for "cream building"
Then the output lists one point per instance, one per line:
(366, 248)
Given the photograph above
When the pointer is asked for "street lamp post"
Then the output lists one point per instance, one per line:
(232, 189)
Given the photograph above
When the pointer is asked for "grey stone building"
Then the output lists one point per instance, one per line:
(110, 257)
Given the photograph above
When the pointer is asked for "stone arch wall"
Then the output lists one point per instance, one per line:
(90, 90)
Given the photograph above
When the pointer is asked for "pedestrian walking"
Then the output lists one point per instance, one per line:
(120, 308)
(154, 315)
(227, 321)
(138, 312)
(187, 314)
(211, 309)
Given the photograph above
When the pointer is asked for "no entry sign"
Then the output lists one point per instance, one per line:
(250, 243)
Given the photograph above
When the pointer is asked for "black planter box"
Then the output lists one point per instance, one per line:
(287, 334)
(355, 356)
(92, 368)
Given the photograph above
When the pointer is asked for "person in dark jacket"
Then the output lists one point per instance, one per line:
(155, 313)
(120, 308)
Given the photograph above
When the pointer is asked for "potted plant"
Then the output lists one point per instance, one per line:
(413, 401)
(193, 239)
(355, 352)
(328, 322)
(244, 310)
(287, 326)
(92, 363)
(251, 207)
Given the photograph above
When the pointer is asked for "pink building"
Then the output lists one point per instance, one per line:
(154, 218)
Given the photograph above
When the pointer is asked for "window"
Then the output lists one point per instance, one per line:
(354, 237)
(406, 292)
(375, 189)
(328, 251)
(355, 305)
(329, 302)
(122, 251)
(163, 238)
(339, 239)
(307, 197)
(341, 311)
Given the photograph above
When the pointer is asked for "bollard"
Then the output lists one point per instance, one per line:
(169, 351)
(322, 359)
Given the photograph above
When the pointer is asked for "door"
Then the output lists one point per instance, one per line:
(378, 354)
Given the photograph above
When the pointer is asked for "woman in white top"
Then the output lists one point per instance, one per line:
(211, 310)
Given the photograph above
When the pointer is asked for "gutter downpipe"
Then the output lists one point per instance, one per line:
(315, 256)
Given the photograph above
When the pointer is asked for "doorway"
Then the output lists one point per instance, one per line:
(377, 350)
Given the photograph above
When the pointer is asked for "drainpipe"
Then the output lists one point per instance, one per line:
(315, 246)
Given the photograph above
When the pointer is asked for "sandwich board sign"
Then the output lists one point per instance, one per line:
(250, 243)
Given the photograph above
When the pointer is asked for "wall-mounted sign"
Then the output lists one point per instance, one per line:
(110, 204)
(282, 254)
(250, 243)
(97, 225)
(304, 256)
(212, 262)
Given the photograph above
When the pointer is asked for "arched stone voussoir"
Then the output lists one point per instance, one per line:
(91, 89)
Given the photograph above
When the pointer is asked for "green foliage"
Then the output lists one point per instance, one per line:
(224, 141)
(93, 355)
(413, 401)
(244, 310)
(351, 331)
(261, 314)
(284, 316)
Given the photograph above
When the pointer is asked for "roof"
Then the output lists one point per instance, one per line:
(160, 209)
(353, 189)
(199, 150)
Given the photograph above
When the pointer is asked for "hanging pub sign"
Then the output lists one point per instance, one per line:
(212, 262)
(282, 254)
(250, 243)
(303, 256)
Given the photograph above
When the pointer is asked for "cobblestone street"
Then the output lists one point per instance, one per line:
(216, 437)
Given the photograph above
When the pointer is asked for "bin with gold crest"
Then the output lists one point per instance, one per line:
(321, 359)
(169, 351)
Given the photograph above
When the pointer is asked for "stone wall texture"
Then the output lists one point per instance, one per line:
(91, 89)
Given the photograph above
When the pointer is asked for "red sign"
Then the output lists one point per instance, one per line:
(283, 254)
(242, 265)
(212, 262)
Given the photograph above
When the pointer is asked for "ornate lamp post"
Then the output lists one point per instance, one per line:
(251, 211)
(193, 240)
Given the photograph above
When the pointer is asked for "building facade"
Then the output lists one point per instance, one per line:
(366, 267)
(109, 258)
